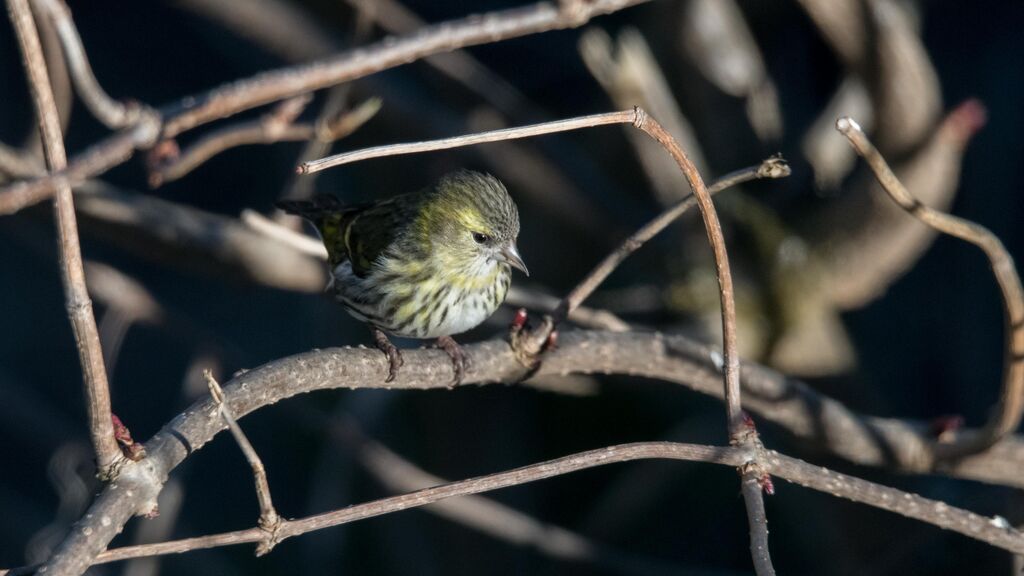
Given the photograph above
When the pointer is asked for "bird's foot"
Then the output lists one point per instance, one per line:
(529, 342)
(380, 339)
(460, 360)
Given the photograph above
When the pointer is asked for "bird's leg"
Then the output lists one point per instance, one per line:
(460, 361)
(380, 339)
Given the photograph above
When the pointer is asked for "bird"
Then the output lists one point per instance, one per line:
(428, 264)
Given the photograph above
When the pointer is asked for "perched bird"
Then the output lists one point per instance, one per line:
(427, 264)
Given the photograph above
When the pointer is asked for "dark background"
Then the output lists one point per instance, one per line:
(930, 347)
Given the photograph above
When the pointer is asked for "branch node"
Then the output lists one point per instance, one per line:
(269, 521)
(774, 167)
(639, 117)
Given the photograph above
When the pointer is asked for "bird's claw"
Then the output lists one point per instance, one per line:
(394, 355)
(460, 360)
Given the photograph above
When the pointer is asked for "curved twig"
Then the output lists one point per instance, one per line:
(110, 112)
(740, 434)
(1006, 414)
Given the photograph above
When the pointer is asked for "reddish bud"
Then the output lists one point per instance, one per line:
(519, 320)
(748, 421)
(121, 433)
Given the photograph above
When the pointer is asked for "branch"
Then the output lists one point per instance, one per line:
(866, 440)
(76, 295)
(624, 117)
(797, 471)
(478, 512)
(1006, 414)
(267, 87)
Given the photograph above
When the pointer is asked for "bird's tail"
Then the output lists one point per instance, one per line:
(313, 210)
(329, 217)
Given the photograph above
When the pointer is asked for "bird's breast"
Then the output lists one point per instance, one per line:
(424, 305)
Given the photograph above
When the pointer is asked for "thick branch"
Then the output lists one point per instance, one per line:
(76, 296)
(1006, 414)
(865, 440)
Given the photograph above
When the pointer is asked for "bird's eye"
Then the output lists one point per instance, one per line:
(480, 237)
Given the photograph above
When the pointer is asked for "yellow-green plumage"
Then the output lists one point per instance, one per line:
(427, 264)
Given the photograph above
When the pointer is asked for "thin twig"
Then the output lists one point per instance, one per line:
(481, 513)
(284, 83)
(270, 520)
(624, 117)
(794, 470)
(1006, 414)
(277, 126)
(76, 295)
(110, 112)
(774, 167)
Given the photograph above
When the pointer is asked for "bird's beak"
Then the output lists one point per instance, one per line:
(511, 255)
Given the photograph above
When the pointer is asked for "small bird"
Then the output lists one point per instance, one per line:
(427, 264)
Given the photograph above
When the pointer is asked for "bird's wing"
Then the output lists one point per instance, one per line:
(357, 233)
(365, 234)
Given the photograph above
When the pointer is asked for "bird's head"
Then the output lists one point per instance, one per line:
(472, 223)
